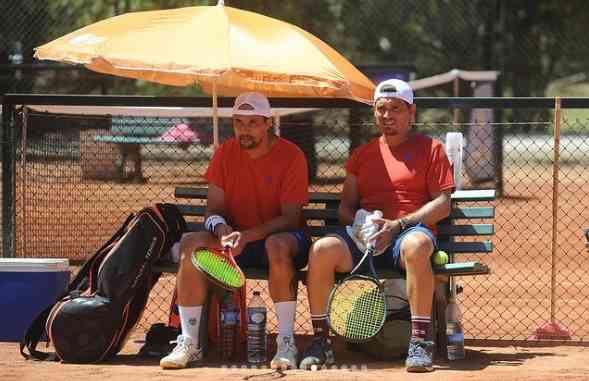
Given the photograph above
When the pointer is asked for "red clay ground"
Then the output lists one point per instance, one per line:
(508, 363)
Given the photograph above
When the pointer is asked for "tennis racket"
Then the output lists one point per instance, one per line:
(356, 308)
(219, 267)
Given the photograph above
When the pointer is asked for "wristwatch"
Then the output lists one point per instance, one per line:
(403, 223)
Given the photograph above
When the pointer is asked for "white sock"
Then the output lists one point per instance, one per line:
(190, 321)
(286, 316)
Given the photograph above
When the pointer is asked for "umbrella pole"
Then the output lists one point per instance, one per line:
(215, 117)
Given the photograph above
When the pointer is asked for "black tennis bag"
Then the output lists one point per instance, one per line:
(92, 320)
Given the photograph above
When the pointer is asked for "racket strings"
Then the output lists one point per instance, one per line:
(357, 310)
(219, 268)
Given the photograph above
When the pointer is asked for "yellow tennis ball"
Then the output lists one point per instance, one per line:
(440, 258)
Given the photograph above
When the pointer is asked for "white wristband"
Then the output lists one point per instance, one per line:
(212, 221)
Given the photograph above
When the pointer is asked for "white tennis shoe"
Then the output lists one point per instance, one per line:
(286, 354)
(184, 354)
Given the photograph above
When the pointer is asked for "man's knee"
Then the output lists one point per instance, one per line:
(190, 242)
(417, 249)
(280, 249)
(327, 251)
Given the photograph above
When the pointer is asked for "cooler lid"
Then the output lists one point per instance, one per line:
(34, 264)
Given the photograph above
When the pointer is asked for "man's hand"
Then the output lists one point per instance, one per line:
(235, 240)
(222, 230)
(387, 231)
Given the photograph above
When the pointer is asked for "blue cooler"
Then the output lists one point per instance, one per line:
(27, 287)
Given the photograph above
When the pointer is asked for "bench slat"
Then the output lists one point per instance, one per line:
(473, 229)
(120, 139)
(474, 195)
(322, 197)
(466, 247)
(459, 268)
(471, 212)
(191, 210)
(331, 214)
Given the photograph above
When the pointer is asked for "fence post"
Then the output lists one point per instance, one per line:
(552, 329)
(8, 190)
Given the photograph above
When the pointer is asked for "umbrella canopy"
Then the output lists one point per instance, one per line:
(222, 49)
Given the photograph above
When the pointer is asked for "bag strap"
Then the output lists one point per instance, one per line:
(175, 222)
(33, 334)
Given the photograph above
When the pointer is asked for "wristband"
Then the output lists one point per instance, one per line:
(403, 223)
(212, 221)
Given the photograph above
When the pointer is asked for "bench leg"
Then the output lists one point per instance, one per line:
(439, 320)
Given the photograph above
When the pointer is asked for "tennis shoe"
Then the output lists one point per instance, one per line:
(318, 353)
(419, 357)
(286, 354)
(184, 354)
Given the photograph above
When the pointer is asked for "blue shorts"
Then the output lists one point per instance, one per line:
(391, 258)
(254, 254)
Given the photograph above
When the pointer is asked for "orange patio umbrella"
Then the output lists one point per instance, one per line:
(222, 49)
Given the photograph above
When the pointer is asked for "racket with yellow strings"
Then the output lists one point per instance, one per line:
(219, 267)
(356, 308)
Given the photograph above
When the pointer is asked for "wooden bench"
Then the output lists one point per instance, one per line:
(129, 134)
(456, 235)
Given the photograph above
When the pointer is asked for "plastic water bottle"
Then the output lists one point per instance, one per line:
(454, 331)
(454, 152)
(229, 323)
(256, 330)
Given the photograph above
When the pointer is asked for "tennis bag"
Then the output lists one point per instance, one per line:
(92, 320)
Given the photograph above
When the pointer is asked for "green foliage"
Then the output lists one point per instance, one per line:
(530, 42)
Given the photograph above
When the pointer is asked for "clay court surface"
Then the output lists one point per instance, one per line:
(505, 363)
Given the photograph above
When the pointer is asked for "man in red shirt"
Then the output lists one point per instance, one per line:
(408, 177)
(258, 184)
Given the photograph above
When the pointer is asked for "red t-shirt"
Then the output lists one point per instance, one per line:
(401, 180)
(255, 189)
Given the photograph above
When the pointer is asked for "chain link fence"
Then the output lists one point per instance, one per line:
(72, 189)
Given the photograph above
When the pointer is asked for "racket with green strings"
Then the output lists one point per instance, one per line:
(219, 267)
(356, 308)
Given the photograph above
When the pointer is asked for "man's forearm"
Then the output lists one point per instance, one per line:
(432, 212)
(278, 224)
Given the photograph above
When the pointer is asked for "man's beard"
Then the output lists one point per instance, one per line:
(248, 142)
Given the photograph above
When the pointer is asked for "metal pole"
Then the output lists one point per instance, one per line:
(8, 228)
(456, 110)
(555, 170)
(215, 117)
(23, 161)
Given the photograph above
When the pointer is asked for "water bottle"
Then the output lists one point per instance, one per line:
(229, 323)
(454, 331)
(454, 152)
(256, 330)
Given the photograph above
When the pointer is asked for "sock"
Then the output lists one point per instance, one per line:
(320, 327)
(286, 317)
(190, 321)
(420, 327)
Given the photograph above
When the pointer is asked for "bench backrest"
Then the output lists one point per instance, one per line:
(461, 232)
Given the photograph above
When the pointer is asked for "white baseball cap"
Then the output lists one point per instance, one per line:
(252, 104)
(394, 88)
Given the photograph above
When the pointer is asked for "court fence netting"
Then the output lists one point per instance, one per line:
(67, 185)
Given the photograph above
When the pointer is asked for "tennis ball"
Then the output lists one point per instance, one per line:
(440, 258)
